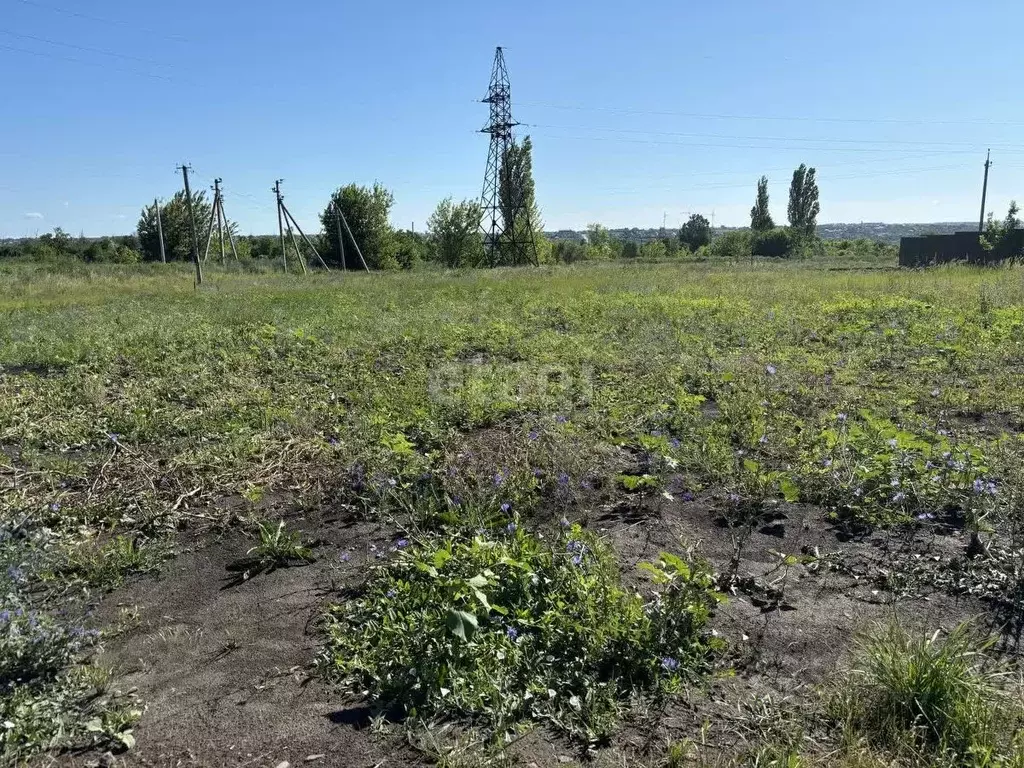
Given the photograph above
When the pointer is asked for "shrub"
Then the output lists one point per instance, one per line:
(774, 243)
(509, 628)
(909, 693)
(732, 245)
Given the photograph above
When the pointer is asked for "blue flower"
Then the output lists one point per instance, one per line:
(655, 433)
(734, 498)
(688, 496)
(770, 370)
(577, 559)
(113, 437)
(563, 478)
(392, 592)
(841, 417)
(990, 489)
(15, 574)
(533, 435)
(511, 527)
(345, 557)
(669, 664)
(401, 544)
(499, 478)
(5, 616)
(979, 485)
(55, 506)
(512, 633)
(826, 462)
(674, 442)
(564, 522)
(506, 506)
(560, 419)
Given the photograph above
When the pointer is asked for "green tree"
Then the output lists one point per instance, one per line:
(775, 243)
(411, 248)
(176, 226)
(1001, 240)
(367, 212)
(760, 216)
(695, 232)
(803, 201)
(454, 232)
(518, 189)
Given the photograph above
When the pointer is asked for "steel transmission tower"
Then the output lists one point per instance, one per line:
(508, 230)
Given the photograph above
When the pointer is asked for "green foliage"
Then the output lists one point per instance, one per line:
(760, 216)
(1003, 239)
(517, 191)
(732, 246)
(176, 227)
(278, 548)
(600, 246)
(630, 250)
(909, 693)
(568, 251)
(454, 231)
(803, 201)
(875, 473)
(696, 232)
(505, 627)
(774, 243)
(367, 211)
(411, 249)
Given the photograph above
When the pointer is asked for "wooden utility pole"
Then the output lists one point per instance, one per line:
(185, 168)
(341, 240)
(160, 231)
(220, 218)
(280, 222)
(984, 191)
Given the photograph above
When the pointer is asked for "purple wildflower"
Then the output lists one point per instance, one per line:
(563, 478)
(5, 616)
(990, 489)
(401, 544)
(770, 370)
(113, 437)
(674, 442)
(564, 522)
(688, 496)
(506, 506)
(669, 664)
(511, 527)
(15, 574)
(499, 478)
(826, 463)
(926, 516)
(577, 559)
(512, 633)
(533, 435)
(734, 498)
(561, 419)
(345, 557)
(979, 485)
(655, 433)
(763, 440)
(841, 417)
(899, 497)
(392, 592)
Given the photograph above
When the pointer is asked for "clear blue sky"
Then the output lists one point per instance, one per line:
(636, 109)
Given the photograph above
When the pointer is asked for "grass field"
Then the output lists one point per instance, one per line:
(619, 514)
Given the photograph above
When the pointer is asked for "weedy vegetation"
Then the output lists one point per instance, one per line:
(470, 414)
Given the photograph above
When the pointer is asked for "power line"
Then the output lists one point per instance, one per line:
(764, 147)
(101, 20)
(86, 49)
(755, 138)
(791, 118)
(86, 62)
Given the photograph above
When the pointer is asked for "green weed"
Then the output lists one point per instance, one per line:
(500, 629)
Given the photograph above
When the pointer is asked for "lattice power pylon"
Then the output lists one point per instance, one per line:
(507, 227)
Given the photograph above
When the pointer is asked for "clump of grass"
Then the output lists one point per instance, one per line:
(278, 547)
(944, 700)
(503, 629)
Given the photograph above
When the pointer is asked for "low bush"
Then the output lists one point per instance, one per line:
(505, 628)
